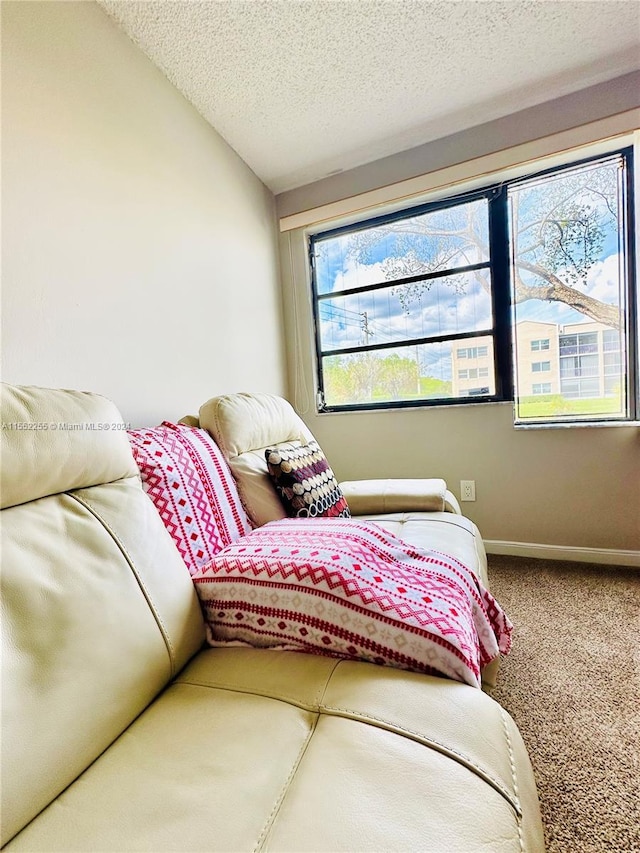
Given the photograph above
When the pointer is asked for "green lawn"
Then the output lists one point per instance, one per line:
(555, 404)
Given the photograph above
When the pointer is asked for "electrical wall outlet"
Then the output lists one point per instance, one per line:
(467, 490)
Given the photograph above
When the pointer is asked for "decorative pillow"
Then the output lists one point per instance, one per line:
(185, 475)
(349, 589)
(305, 482)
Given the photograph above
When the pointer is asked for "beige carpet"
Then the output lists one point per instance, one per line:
(572, 684)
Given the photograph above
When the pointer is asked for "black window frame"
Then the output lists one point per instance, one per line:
(499, 266)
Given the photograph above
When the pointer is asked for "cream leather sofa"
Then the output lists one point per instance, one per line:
(120, 732)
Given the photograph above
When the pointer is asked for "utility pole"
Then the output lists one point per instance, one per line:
(366, 331)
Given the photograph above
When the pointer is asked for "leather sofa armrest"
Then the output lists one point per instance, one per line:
(189, 420)
(373, 497)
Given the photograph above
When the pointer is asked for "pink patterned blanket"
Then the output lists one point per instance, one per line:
(350, 589)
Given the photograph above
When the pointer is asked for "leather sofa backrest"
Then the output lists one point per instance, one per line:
(98, 609)
(243, 426)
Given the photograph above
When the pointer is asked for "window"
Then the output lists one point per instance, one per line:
(612, 363)
(414, 307)
(577, 388)
(536, 346)
(610, 341)
(580, 343)
(473, 352)
(579, 365)
(397, 309)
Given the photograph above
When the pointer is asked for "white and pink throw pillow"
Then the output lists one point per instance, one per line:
(189, 481)
(352, 590)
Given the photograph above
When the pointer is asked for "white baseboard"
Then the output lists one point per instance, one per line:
(608, 556)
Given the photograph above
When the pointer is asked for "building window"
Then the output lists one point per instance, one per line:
(541, 388)
(612, 362)
(414, 307)
(578, 388)
(579, 365)
(580, 343)
(611, 341)
(472, 352)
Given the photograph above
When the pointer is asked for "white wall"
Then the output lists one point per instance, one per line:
(139, 256)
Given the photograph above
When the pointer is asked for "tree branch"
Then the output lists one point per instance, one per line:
(556, 290)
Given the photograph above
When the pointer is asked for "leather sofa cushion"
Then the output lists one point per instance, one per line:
(244, 426)
(83, 432)
(260, 750)
(98, 609)
(98, 613)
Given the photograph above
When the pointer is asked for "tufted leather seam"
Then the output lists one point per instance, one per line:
(434, 744)
(380, 722)
(280, 799)
(165, 635)
(407, 519)
(384, 497)
(313, 706)
(451, 523)
(219, 439)
(320, 696)
(513, 776)
(211, 685)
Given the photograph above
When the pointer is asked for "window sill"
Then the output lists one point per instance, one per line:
(483, 404)
(578, 425)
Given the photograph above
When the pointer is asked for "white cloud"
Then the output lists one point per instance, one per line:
(603, 280)
(356, 274)
(439, 310)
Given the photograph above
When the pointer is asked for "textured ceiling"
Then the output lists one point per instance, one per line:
(305, 88)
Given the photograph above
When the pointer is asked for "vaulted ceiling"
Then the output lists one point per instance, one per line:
(306, 88)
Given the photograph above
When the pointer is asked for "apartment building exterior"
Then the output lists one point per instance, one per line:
(576, 361)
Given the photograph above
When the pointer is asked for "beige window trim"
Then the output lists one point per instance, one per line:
(481, 170)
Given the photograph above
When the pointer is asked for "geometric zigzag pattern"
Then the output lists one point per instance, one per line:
(191, 486)
(349, 589)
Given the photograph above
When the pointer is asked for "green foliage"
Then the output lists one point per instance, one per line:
(366, 377)
(430, 387)
(552, 405)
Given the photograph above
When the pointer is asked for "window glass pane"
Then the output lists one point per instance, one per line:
(568, 290)
(443, 239)
(441, 306)
(425, 371)
(611, 341)
(536, 346)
